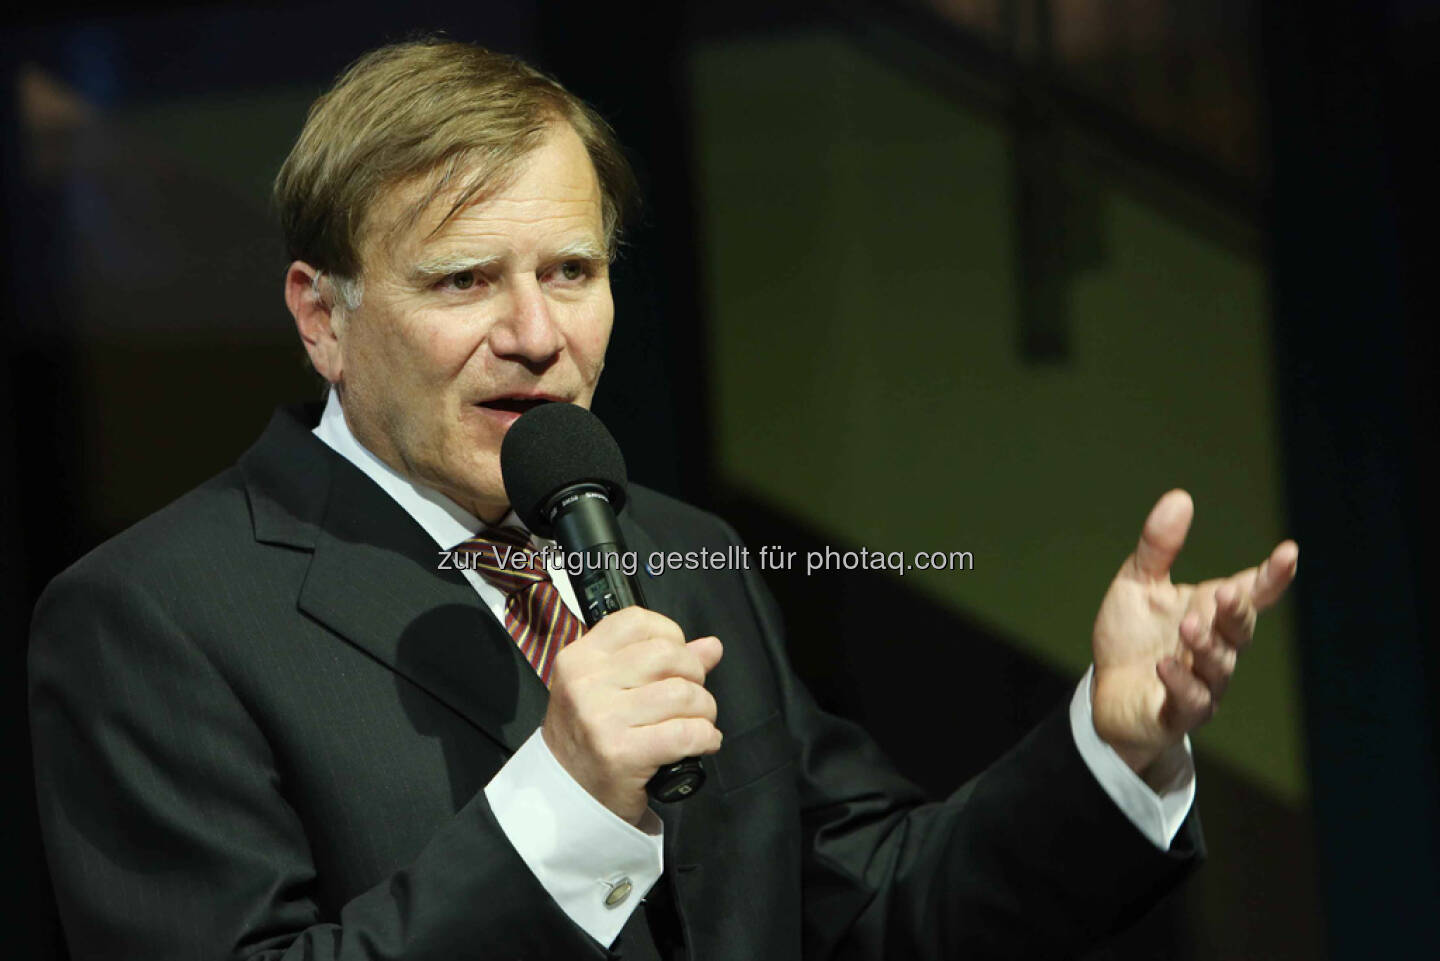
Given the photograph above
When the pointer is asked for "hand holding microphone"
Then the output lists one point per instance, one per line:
(628, 708)
(626, 699)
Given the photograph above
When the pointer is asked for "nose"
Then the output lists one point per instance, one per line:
(526, 331)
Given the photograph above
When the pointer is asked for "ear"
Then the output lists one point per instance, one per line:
(319, 321)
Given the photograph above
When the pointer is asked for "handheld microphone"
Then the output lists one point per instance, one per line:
(565, 477)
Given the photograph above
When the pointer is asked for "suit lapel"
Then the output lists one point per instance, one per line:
(373, 580)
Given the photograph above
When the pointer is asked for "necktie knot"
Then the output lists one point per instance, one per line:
(504, 557)
(535, 614)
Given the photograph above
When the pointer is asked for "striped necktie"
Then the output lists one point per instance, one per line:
(535, 614)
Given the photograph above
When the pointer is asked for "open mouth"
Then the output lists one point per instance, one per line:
(515, 405)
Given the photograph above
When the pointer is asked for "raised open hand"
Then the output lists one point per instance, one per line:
(1164, 652)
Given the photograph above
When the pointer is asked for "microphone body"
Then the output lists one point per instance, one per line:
(579, 511)
(586, 526)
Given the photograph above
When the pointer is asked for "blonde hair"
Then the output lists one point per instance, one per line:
(435, 108)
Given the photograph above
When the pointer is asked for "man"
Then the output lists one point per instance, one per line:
(268, 724)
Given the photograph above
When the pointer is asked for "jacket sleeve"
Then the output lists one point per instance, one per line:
(1029, 859)
(167, 830)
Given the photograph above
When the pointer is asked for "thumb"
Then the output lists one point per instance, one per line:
(1163, 535)
(708, 649)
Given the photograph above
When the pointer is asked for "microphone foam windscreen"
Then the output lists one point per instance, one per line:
(554, 446)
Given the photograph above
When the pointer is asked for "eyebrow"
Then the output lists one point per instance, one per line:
(435, 268)
(581, 250)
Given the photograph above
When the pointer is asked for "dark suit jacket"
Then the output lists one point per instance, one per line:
(262, 721)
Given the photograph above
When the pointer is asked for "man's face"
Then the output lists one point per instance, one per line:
(458, 333)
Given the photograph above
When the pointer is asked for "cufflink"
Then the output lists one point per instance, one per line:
(619, 891)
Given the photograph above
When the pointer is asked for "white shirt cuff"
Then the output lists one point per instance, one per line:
(581, 852)
(1157, 816)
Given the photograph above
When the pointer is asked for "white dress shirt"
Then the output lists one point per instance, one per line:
(576, 847)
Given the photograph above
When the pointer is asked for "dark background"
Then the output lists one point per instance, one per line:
(145, 343)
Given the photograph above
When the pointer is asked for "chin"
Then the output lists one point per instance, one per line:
(481, 490)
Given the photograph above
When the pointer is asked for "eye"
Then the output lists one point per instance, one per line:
(574, 271)
(461, 281)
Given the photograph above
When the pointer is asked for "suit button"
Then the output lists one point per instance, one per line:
(619, 891)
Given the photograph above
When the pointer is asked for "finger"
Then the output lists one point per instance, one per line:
(632, 625)
(669, 741)
(670, 698)
(1188, 702)
(1234, 615)
(1211, 660)
(654, 659)
(709, 650)
(1163, 535)
(1275, 574)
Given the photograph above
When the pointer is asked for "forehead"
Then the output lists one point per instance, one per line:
(550, 194)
